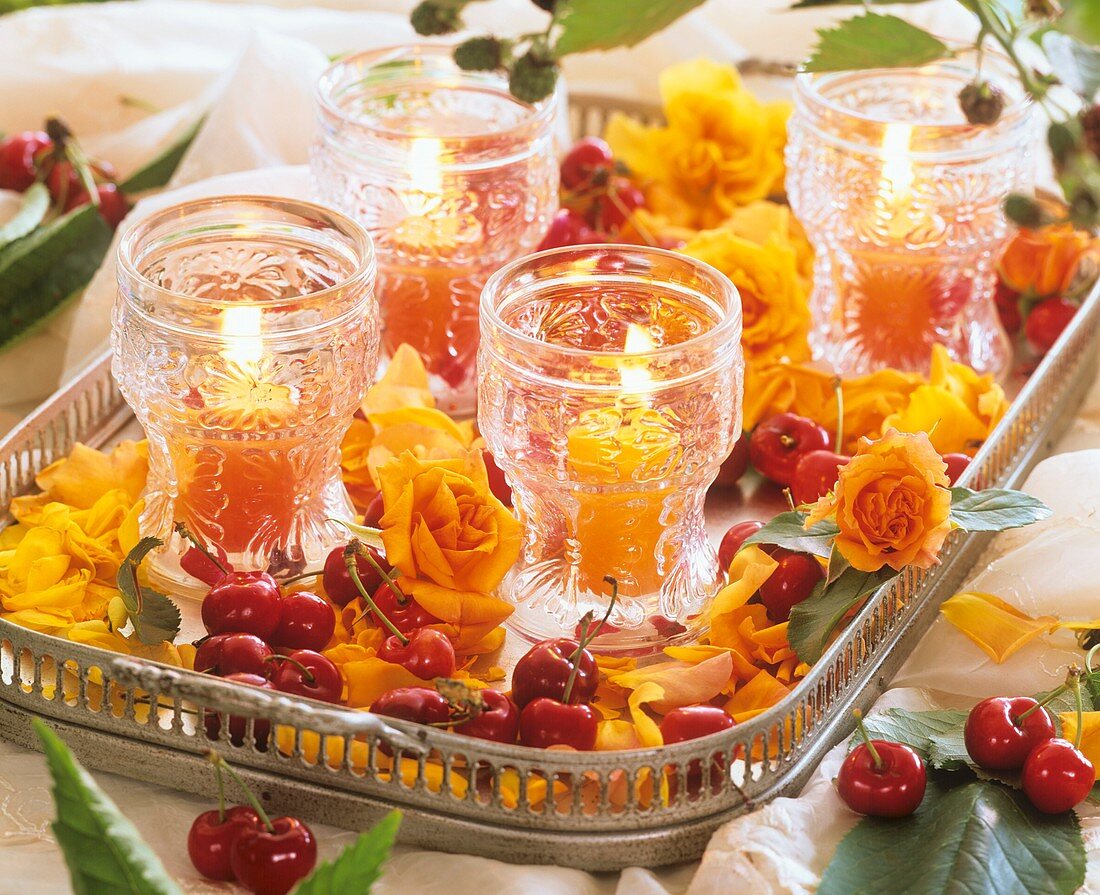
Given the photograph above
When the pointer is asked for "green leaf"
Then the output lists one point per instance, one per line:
(916, 729)
(807, 4)
(1080, 19)
(874, 41)
(815, 618)
(32, 212)
(154, 616)
(158, 171)
(44, 268)
(7, 6)
(359, 865)
(995, 509)
(104, 851)
(787, 530)
(1076, 64)
(583, 25)
(980, 837)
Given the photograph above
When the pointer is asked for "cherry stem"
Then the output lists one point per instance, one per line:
(383, 574)
(790, 499)
(353, 573)
(183, 531)
(1088, 658)
(1050, 697)
(875, 757)
(838, 389)
(220, 762)
(221, 793)
(296, 578)
(1075, 673)
(306, 673)
(586, 638)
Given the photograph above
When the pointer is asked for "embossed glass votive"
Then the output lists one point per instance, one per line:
(901, 198)
(452, 176)
(245, 335)
(610, 392)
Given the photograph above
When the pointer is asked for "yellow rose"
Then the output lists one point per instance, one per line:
(721, 147)
(891, 504)
(443, 524)
(775, 314)
(760, 220)
(958, 408)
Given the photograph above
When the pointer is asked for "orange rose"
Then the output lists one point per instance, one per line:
(442, 523)
(1042, 262)
(891, 504)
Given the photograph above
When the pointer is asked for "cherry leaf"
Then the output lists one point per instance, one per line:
(583, 25)
(995, 509)
(788, 530)
(815, 618)
(154, 616)
(358, 866)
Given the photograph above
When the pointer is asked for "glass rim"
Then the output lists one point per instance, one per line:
(360, 239)
(489, 305)
(809, 90)
(540, 113)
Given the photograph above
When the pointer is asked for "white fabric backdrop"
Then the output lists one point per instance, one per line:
(253, 67)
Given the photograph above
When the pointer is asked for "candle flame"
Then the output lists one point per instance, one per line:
(425, 169)
(635, 375)
(241, 330)
(897, 164)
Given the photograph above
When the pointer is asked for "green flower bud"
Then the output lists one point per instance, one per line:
(531, 79)
(1023, 211)
(981, 102)
(430, 18)
(479, 54)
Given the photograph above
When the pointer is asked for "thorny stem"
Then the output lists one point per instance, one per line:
(353, 573)
(220, 762)
(184, 532)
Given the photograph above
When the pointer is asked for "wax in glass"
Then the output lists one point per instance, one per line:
(245, 335)
(901, 198)
(610, 392)
(451, 175)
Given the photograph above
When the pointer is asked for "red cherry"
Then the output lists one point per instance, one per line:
(497, 483)
(544, 671)
(547, 722)
(211, 838)
(893, 786)
(406, 614)
(247, 602)
(19, 155)
(113, 206)
(198, 565)
(261, 729)
(956, 466)
(733, 539)
(613, 210)
(735, 465)
(791, 583)
(1008, 308)
(569, 228)
(1057, 776)
(588, 161)
(307, 622)
(816, 474)
(208, 653)
(338, 584)
(308, 673)
(692, 722)
(243, 654)
(778, 443)
(1046, 322)
(997, 738)
(420, 704)
(64, 184)
(498, 719)
(374, 512)
(428, 654)
(271, 862)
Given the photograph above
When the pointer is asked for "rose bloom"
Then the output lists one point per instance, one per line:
(1042, 262)
(775, 311)
(442, 523)
(891, 504)
(721, 148)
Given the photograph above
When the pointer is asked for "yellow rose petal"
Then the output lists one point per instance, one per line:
(997, 627)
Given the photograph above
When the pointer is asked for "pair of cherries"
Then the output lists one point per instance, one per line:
(268, 856)
(1017, 733)
(485, 714)
(794, 579)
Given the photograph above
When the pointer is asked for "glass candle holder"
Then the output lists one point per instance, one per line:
(901, 198)
(245, 335)
(610, 392)
(452, 176)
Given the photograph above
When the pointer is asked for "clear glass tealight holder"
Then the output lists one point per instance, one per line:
(901, 198)
(452, 176)
(245, 335)
(610, 392)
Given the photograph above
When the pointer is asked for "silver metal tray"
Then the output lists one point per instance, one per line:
(606, 810)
